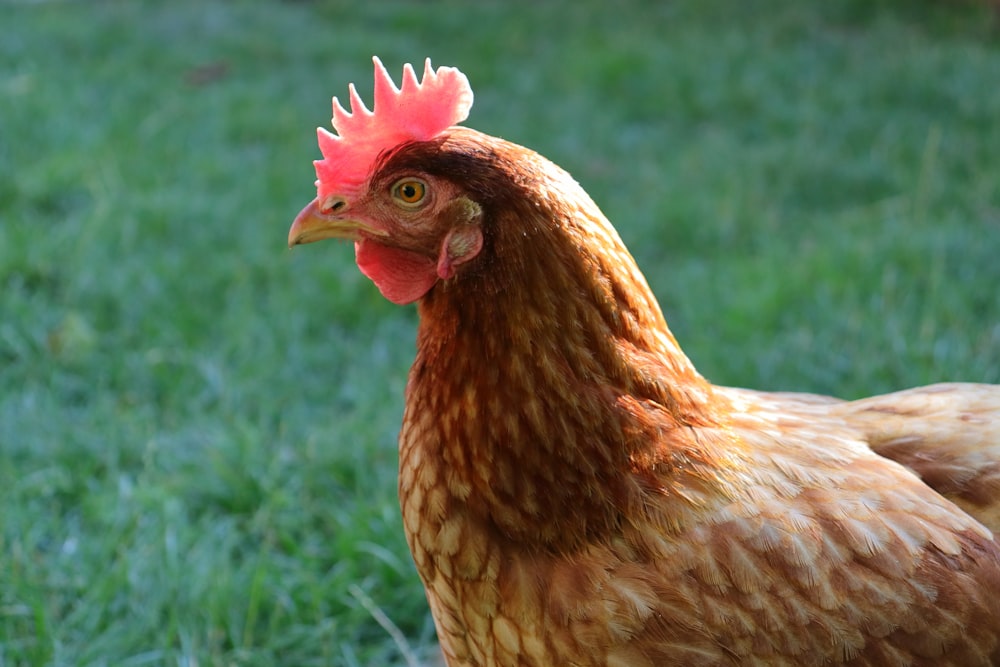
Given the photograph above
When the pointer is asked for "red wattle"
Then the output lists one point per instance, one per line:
(401, 276)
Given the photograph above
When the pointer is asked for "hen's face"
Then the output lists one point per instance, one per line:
(410, 229)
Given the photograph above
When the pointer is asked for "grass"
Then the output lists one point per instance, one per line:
(197, 427)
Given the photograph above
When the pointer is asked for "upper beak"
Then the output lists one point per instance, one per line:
(312, 224)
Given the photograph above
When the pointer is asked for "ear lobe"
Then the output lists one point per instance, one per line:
(459, 246)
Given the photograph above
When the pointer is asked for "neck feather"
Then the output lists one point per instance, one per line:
(547, 376)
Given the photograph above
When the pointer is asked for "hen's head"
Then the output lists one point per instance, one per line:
(386, 181)
(511, 260)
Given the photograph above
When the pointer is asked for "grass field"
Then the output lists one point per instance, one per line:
(197, 426)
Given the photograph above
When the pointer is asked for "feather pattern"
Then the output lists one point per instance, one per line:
(574, 492)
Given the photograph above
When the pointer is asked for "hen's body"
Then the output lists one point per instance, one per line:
(574, 493)
(821, 553)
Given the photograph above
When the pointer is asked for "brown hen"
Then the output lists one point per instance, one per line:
(575, 493)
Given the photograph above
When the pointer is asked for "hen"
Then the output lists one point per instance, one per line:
(575, 493)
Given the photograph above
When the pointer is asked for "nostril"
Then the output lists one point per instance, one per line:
(333, 205)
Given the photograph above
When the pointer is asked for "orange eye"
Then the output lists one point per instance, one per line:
(409, 192)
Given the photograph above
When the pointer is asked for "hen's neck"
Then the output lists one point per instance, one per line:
(548, 376)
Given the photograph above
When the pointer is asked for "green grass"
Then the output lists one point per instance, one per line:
(197, 426)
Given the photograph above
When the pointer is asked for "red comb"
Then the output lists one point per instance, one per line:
(416, 112)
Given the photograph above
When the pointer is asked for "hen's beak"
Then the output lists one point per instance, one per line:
(313, 224)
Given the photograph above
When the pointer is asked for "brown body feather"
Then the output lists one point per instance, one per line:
(575, 493)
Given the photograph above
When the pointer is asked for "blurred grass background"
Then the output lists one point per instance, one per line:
(197, 426)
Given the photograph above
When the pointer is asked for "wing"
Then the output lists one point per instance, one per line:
(823, 551)
(948, 434)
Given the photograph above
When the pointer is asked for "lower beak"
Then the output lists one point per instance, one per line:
(312, 224)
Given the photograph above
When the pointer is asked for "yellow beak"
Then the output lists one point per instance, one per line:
(312, 224)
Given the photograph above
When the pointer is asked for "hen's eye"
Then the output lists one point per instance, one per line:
(409, 191)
